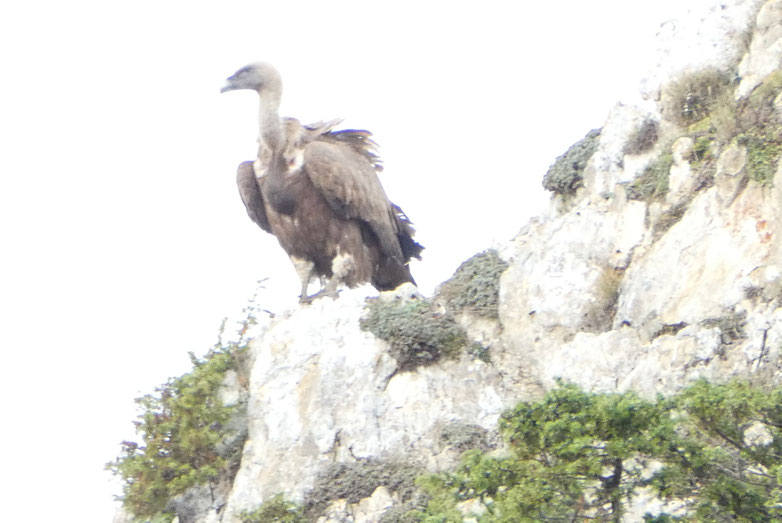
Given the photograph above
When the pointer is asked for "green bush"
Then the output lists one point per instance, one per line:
(276, 510)
(754, 122)
(643, 138)
(181, 427)
(690, 98)
(599, 317)
(475, 286)
(652, 184)
(464, 436)
(576, 456)
(188, 437)
(357, 480)
(417, 332)
(566, 175)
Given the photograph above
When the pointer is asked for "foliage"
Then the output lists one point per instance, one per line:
(730, 477)
(566, 175)
(187, 437)
(643, 138)
(276, 510)
(357, 480)
(690, 98)
(702, 150)
(669, 218)
(475, 286)
(731, 326)
(181, 426)
(652, 184)
(763, 154)
(753, 122)
(417, 332)
(576, 455)
(600, 316)
(761, 130)
(464, 436)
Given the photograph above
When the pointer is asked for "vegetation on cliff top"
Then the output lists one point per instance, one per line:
(181, 425)
(417, 331)
(186, 432)
(566, 174)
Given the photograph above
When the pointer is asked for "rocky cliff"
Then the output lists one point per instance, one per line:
(658, 262)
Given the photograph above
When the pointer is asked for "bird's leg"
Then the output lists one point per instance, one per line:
(304, 268)
(341, 267)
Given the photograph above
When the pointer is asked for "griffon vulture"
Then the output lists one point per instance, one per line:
(317, 191)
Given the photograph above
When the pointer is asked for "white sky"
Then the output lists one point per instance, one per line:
(124, 242)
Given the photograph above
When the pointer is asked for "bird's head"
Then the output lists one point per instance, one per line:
(260, 77)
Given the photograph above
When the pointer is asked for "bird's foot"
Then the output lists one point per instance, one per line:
(330, 293)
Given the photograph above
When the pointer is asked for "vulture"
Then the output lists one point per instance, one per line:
(317, 190)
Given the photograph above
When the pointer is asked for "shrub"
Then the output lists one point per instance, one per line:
(690, 98)
(763, 152)
(600, 316)
(566, 463)
(669, 218)
(579, 456)
(755, 122)
(464, 436)
(643, 139)
(416, 331)
(762, 130)
(189, 437)
(276, 510)
(475, 286)
(652, 184)
(566, 175)
(181, 426)
(357, 480)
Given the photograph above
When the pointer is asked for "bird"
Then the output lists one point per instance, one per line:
(316, 189)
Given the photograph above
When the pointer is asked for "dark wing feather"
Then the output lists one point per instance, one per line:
(410, 247)
(348, 181)
(251, 195)
(361, 141)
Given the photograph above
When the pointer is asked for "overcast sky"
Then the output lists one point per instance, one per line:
(124, 239)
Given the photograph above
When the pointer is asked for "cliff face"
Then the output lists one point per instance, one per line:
(659, 261)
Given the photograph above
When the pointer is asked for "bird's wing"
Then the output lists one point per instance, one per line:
(251, 195)
(347, 179)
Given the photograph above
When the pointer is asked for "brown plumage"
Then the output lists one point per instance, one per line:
(317, 191)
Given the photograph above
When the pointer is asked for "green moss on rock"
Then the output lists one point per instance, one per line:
(418, 333)
(358, 480)
(566, 175)
(465, 436)
(475, 286)
(276, 510)
(652, 184)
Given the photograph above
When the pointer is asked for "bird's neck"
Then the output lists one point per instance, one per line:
(277, 188)
(269, 119)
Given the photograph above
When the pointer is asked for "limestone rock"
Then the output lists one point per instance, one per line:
(765, 50)
(732, 160)
(322, 391)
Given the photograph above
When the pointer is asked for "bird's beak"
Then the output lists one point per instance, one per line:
(229, 85)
